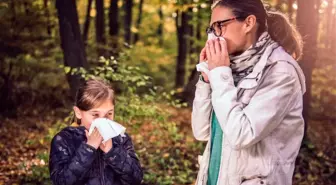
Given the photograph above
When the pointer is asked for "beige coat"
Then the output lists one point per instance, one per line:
(261, 121)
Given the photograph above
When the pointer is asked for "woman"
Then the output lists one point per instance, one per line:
(249, 106)
(77, 158)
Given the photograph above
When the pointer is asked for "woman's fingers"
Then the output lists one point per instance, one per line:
(223, 46)
(212, 47)
(217, 46)
(203, 55)
(207, 49)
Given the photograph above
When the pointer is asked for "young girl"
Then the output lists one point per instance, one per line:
(77, 158)
(249, 106)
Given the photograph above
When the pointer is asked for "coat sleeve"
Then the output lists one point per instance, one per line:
(67, 169)
(272, 101)
(124, 162)
(201, 112)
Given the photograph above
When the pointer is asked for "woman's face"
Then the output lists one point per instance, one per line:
(233, 31)
(104, 110)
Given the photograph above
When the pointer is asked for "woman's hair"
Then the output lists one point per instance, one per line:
(92, 93)
(276, 23)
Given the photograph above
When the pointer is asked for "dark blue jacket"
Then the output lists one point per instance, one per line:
(73, 162)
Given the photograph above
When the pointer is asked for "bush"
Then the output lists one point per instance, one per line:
(162, 148)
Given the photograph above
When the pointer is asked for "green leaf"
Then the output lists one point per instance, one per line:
(67, 69)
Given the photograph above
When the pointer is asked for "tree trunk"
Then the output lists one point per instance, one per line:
(191, 35)
(189, 89)
(114, 26)
(138, 23)
(26, 8)
(87, 21)
(113, 18)
(47, 14)
(329, 25)
(332, 41)
(6, 90)
(308, 29)
(128, 21)
(199, 29)
(71, 40)
(160, 27)
(182, 33)
(100, 26)
(13, 12)
(278, 4)
(290, 10)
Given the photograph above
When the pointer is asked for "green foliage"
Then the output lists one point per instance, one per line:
(29, 60)
(314, 166)
(324, 93)
(141, 107)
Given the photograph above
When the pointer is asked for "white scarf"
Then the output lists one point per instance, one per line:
(243, 64)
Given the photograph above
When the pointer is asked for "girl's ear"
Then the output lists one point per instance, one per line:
(78, 113)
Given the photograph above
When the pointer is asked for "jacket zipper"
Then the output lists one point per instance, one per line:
(101, 162)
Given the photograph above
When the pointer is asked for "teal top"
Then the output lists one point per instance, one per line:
(215, 150)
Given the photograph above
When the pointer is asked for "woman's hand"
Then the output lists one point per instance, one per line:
(203, 58)
(217, 54)
(107, 146)
(95, 139)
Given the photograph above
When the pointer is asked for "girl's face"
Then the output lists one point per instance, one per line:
(104, 110)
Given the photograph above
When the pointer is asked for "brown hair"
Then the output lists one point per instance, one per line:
(276, 23)
(92, 93)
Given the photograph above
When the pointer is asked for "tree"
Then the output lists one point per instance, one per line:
(71, 40)
(100, 26)
(114, 25)
(192, 45)
(279, 4)
(128, 21)
(138, 23)
(290, 10)
(87, 21)
(182, 27)
(333, 37)
(160, 27)
(308, 29)
(329, 25)
(47, 14)
(113, 18)
(189, 89)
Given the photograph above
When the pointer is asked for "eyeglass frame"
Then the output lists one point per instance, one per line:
(210, 29)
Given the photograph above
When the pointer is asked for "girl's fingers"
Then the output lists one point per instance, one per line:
(96, 132)
(86, 133)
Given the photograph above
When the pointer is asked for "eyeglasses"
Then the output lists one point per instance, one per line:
(216, 27)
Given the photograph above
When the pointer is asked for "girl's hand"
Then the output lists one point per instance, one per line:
(107, 146)
(95, 139)
(217, 54)
(203, 58)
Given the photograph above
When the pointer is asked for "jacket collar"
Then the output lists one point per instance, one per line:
(273, 54)
(251, 80)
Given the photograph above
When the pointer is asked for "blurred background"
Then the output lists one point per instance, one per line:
(148, 50)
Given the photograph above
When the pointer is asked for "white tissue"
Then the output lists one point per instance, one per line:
(107, 128)
(203, 66)
(212, 36)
